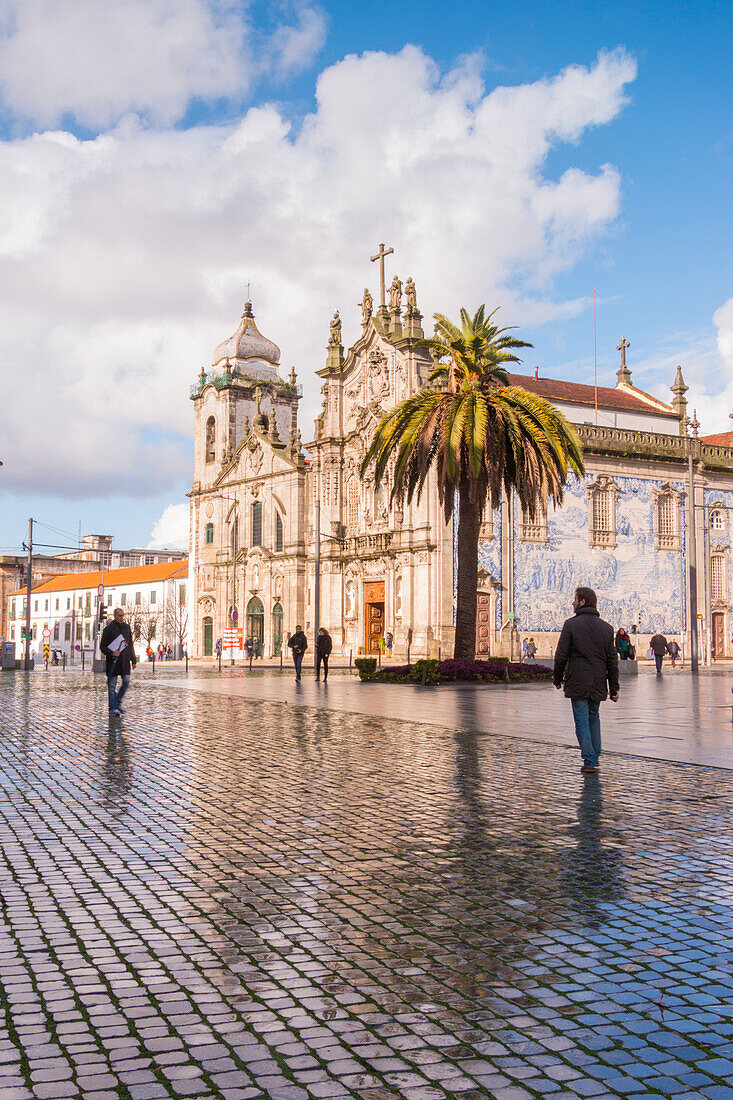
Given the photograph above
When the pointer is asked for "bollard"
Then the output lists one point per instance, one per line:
(281, 658)
(82, 660)
(379, 657)
(46, 664)
(219, 660)
(63, 661)
(408, 654)
(439, 654)
(351, 653)
(153, 661)
(250, 662)
(186, 662)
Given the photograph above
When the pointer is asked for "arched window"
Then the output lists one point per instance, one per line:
(278, 533)
(235, 537)
(208, 632)
(352, 503)
(209, 534)
(211, 439)
(717, 519)
(256, 621)
(257, 523)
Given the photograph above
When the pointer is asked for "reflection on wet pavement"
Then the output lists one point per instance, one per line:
(228, 898)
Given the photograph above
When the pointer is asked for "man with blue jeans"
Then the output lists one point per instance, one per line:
(298, 644)
(119, 651)
(586, 663)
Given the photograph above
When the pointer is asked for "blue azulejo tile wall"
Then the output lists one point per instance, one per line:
(635, 582)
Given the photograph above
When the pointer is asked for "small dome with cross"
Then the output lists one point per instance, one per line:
(249, 352)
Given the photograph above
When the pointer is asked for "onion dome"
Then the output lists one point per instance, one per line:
(248, 351)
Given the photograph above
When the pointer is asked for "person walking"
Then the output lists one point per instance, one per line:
(298, 644)
(674, 650)
(218, 647)
(586, 663)
(324, 645)
(658, 646)
(389, 642)
(623, 642)
(531, 649)
(525, 646)
(117, 646)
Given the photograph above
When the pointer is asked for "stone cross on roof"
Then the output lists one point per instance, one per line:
(622, 348)
(383, 252)
(623, 374)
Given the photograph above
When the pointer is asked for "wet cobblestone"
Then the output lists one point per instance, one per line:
(236, 899)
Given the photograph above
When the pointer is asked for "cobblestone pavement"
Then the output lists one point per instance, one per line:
(224, 898)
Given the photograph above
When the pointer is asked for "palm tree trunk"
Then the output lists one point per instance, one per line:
(469, 524)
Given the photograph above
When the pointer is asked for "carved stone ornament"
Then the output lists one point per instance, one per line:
(255, 459)
(378, 375)
(209, 510)
(206, 604)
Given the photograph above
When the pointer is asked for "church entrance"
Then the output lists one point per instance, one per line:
(256, 622)
(374, 614)
(483, 623)
(208, 625)
(718, 639)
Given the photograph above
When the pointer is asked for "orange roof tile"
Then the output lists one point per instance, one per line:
(722, 439)
(578, 393)
(112, 578)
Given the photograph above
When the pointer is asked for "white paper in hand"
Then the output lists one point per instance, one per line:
(117, 645)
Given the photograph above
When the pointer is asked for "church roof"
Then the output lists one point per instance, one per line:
(721, 439)
(248, 343)
(578, 393)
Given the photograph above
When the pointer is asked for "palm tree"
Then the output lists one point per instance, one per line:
(482, 435)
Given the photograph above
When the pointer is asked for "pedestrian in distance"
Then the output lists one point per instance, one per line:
(586, 664)
(324, 645)
(389, 642)
(658, 646)
(298, 644)
(119, 651)
(674, 651)
(623, 643)
(531, 649)
(218, 647)
(525, 645)
(248, 648)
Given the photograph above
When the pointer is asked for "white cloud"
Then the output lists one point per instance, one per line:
(97, 60)
(123, 260)
(170, 532)
(707, 368)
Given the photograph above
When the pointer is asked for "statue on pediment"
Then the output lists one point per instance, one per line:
(411, 296)
(367, 306)
(395, 295)
(335, 336)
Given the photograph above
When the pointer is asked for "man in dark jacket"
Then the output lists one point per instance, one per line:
(298, 643)
(658, 646)
(324, 645)
(586, 658)
(117, 646)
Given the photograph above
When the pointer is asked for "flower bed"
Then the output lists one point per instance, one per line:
(496, 670)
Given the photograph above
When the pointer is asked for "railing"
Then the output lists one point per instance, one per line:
(375, 544)
(253, 374)
(630, 441)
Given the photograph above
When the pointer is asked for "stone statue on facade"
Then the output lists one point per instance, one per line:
(395, 295)
(411, 296)
(335, 337)
(367, 305)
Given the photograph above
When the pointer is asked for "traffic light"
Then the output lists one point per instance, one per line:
(46, 651)
(102, 613)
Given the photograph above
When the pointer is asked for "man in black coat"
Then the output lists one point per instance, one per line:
(298, 644)
(587, 661)
(117, 646)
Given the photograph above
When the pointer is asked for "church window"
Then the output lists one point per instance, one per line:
(67, 631)
(602, 497)
(278, 533)
(533, 528)
(717, 577)
(717, 519)
(235, 537)
(666, 517)
(352, 503)
(257, 523)
(211, 439)
(209, 534)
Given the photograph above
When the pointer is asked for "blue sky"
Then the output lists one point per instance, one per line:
(143, 189)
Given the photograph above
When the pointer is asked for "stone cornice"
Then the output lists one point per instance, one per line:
(629, 443)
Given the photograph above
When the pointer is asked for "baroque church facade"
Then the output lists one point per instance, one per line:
(261, 499)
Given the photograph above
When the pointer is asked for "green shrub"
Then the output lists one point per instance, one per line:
(366, 667)
(428, 668)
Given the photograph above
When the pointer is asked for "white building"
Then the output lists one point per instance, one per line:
(153, 597)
